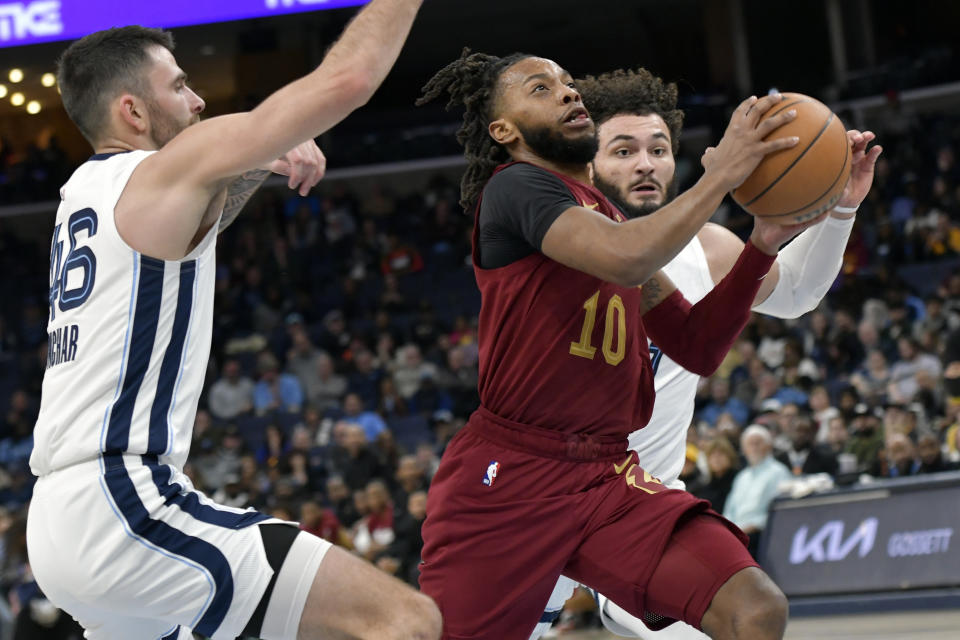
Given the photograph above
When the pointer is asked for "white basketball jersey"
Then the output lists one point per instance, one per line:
(129, 335)
(661, 444)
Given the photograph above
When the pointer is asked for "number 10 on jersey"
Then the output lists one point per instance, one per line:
(616, 314)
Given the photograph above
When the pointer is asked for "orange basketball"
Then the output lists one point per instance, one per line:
(800, 183)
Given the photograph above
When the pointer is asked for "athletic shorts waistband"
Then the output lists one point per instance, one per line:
(545, 442)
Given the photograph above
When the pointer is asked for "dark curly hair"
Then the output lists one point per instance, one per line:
(471, 81)
(633, 91)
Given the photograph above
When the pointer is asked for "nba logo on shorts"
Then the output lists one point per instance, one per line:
(491, 475)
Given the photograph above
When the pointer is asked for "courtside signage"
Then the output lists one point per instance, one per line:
(892, 537)
(30, 22)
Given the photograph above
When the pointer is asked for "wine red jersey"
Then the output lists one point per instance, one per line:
(561, 349)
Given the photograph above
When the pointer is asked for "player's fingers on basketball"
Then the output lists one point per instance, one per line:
(775, 122)
(763, 105)
(778, 144)
(744, 107)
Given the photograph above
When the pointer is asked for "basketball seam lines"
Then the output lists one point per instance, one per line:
(829, 189)
(792, 164)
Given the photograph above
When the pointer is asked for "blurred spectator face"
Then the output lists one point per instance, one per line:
(928, 448)
(388, 388)
(301, 439)
(837, 435)
(363, 361)
(231, 370)
(355, 439)
(720, 390)
(337, 489)
(728, 427)
(417, 505)
(360, 502)
(324, 366)
(867, 333)
(843, 320)
(899, 449)
(848, 400)
(248, 467)
(281, 513)
(300, 339)
(311, 418)
(310, 514)
(756, 448)
(386, 441)
(876, 361)
(377, 497)
(818, 323)
(801, 435)
(340, 430)
(456, 359)
(787, 417)
(409, 471)
(334, 322)
(906, 349)
(819, 399)
(768, 385)
(267, 366)
(411, 356)
(719, 462)
(352, 405)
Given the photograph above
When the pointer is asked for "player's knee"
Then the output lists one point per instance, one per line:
(764, 614)
(421, 619)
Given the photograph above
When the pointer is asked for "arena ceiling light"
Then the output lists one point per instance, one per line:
(3, 91)
(17, 99)
(15, 75)
(48, 80)
(33, 107)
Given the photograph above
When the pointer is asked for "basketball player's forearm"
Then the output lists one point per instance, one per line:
(239, 192)
(698, 337)
(656, 239)
(807, 267)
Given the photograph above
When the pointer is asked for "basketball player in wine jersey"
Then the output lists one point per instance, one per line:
(116, 533)
(638, 128)
(565, 373)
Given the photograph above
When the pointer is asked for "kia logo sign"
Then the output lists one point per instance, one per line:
(828, 544)
(19, 21)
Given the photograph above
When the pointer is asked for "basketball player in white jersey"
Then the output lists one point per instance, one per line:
(638, 126)
(117, 535)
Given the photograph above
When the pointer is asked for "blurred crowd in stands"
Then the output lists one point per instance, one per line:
(345, 356)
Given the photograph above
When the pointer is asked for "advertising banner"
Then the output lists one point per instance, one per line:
(33, 21)
(887, 537)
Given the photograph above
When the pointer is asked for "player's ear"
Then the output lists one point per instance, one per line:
(133, 112)
(503, 131)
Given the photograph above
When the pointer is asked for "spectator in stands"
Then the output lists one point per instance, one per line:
(410, 478)
(392, 405)
(303, 358)
(898, 459)
(837, 435)
(931, 455)
(365, 379)
(873, 379)
(334, 335)
(756, 485)
(723, 462)
(866, 440)
(355, 412)
(690, 474)
(275, 391)
(232, 394)
(407, 546)
(340, 500)
(822, 411)
(904, 383)
(374, 533)
(223, 461)
(323, 523)
(400, 258)
(325, 388)
(430, 398)
(409, 370)
(805, 456)
(354, 460)
(722, 402)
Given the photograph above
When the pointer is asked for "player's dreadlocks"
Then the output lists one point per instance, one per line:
(637, 92)
(471, 81)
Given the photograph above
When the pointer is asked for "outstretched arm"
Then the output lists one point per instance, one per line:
(698, 337)
(806, 268)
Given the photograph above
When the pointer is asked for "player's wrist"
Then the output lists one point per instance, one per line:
(843, 213)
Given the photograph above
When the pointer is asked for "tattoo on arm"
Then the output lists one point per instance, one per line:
(651, 294)
(238, 192)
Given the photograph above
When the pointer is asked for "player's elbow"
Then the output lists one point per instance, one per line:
(355, 87)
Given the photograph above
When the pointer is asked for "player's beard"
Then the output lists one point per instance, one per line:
(615, 195)
(553, 146)
(163, 126)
